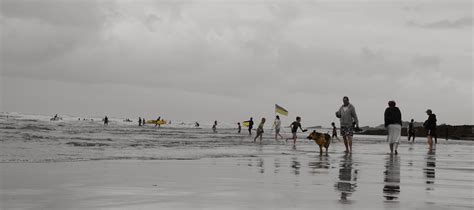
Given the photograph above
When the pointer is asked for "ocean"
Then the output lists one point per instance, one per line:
(178, 166)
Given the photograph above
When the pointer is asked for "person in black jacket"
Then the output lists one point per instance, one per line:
(430, 126)
(393, 123)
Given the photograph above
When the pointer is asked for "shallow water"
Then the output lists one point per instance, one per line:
(187, 168)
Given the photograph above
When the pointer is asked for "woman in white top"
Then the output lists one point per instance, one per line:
(277, 125)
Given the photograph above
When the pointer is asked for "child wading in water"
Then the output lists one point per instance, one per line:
(214, 127)
(277, 126)
(260, 131)
(294, 127)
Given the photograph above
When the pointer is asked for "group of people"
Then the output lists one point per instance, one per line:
(348, 119)
(393, 123)
(349, 123)
(141, 121)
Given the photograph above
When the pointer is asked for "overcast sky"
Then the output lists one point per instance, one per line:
(227, 60)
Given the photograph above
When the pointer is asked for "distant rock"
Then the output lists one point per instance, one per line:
(461, 132)
(86, 144)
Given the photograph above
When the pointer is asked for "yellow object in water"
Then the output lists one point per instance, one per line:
(159, 122)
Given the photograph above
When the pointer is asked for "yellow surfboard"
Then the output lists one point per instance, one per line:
(159, 122)
(246, 123)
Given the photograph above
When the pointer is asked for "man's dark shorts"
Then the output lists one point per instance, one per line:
(347, 131)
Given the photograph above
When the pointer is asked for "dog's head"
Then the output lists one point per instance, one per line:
(314, 135)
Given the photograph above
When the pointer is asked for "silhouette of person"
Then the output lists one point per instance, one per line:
(106, 120)
(250, 125)
(393, 123)
(430, 126)
(214, 127)
(334, 132)
(411, 131)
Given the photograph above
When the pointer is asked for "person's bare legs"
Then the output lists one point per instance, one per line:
(294, 138)
(391, 148)
(430, 143)
(345, 143)
(255, 139)
(349, 139)
(395, 147)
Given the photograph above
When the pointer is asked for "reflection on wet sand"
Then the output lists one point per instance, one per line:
(391, 189)
(321, 163)
(347, 179)
(295, 164)
(260, 165)
(277, 165)
(429, 170)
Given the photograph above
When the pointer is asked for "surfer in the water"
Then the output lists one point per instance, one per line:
(250, 125)
(106, 120)
(214, 127)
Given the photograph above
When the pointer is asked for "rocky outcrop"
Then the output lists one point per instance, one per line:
(461, 132)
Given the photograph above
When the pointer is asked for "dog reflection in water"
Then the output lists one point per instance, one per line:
(322, 139)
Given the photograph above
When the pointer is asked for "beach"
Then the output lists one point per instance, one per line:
(85, 165)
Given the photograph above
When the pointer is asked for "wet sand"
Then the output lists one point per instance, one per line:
(290, 178)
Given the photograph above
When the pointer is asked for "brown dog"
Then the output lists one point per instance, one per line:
(322, 139)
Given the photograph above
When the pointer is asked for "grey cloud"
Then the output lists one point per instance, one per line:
(458, 23)
(150, 21)
(78, 13)
(36, 31)
(427, 61)
(371, 56)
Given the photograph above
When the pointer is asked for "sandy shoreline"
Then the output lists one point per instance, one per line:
(295, 179)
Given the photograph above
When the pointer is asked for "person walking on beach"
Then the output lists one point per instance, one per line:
(139, 121)
(393, 123)
(157, 122)
(214, 127)
(411, 131)
(348, 116)
(334, 132)
(430, 126)
(250, 125)
(277, 126)
(239, 128)
(294, 128)
(106, 120)
(260, 131)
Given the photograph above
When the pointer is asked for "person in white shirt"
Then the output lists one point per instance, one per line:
(277, 126)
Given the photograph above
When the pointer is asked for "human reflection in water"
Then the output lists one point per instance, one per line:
(295, 164)
(277, 165)
(260, 165)
(391, 188)
(321, 163)
(347, 179)
(429, 170)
